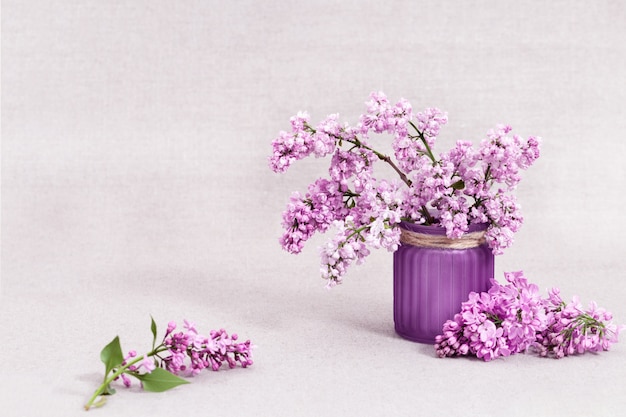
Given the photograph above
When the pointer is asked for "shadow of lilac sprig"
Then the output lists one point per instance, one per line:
(514, 318)
(179, 353)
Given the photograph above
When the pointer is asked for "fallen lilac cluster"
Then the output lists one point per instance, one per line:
(514, 318)
(184, 352)
(464, 186)
(572, 330)
(201, 351)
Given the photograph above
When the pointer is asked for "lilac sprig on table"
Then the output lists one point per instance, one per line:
(464, 186)
(180, 353)
(572, 329)
(514, 318)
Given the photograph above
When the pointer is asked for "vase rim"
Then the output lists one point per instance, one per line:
(437, 229)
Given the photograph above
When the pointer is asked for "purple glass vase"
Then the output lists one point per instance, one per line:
(430, 283)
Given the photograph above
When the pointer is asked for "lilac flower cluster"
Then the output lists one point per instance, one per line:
(302, 141)
(179, 352)
(572, 330)
(203, 352)
(460, 187)
(188, 352)
(514, 318)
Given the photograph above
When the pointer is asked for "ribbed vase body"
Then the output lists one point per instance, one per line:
(431, 283)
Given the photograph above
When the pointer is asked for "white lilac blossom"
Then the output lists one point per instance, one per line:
(180, 353)
(514, 318)
(465, 185)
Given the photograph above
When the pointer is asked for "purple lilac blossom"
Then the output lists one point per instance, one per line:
(192, 352)
(189, 352)
(290, 147)
(465, 185)
(575, 330)
(514, 318)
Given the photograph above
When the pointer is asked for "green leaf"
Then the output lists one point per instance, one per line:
(160, 380)
(459, 185)
(112, 355)
(153, 328)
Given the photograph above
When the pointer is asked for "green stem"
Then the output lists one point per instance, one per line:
(357, 231)
(108, 380)
(381, 156)
(429, 219)
(495, 319)
(429, 151)
(117, 373)
(356, 142)
(388, 160)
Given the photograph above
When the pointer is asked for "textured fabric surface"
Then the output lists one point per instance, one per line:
(135, 137)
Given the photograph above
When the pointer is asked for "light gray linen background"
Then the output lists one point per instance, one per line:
(135, 137)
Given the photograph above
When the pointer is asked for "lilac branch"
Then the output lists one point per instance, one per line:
(356, 142)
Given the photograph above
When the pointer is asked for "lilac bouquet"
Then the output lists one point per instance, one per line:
(460, 187)
(183, 352)
(514, 318)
